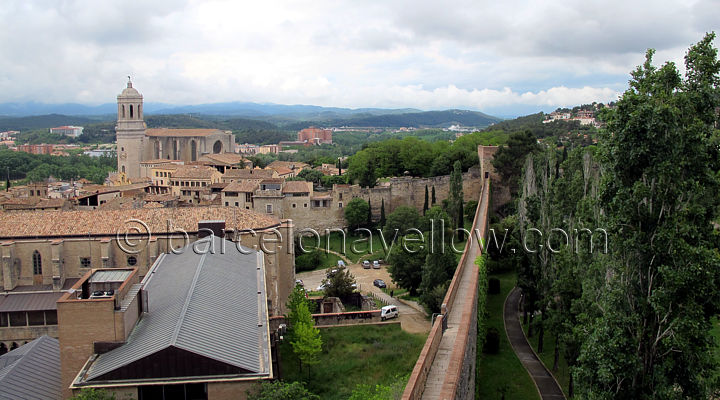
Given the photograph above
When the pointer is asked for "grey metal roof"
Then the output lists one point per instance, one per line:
(213, 305)
(31, 371)
(110, 275)
(29, 301)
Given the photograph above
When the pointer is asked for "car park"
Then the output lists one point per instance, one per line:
(366, 264)
(388, 312)
(379, 283)
(376, 264)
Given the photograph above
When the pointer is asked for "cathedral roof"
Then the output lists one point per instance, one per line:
(130, 91)
(166, 132)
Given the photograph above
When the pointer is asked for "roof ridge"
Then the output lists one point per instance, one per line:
(181, 318)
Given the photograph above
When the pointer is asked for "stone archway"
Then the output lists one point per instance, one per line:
(193, 150)
(217, 147)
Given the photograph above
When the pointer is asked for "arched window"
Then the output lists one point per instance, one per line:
(139, 111)
(193, 151)
(3, 349)
(123, 110)
(132, 260)
(217, 147)
(131, 111)
(37, 263)
(123, 169)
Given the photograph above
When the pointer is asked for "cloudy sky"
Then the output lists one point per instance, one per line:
(506, 58)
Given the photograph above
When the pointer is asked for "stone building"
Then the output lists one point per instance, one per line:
(47, 251)
(136, 143)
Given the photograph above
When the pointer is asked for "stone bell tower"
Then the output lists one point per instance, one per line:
(130, 131)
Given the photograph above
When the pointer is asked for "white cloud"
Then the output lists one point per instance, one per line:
(464, 54)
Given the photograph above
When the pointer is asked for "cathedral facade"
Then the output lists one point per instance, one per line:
(137, 144)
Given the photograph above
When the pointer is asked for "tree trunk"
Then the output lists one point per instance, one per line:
(556, 358)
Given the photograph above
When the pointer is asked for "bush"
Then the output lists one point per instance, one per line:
(308, 261)
(493, 286)
(492, 341)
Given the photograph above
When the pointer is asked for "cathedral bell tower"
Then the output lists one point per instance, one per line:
(130, 131)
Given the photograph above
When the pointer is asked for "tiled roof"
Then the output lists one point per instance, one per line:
(287, 164)
(181, 132)
(241, 186)
(22, 224)
(160, 161)
(297, 187)
(194, 172)
(283, 171)
(211, 303)
(249, 173)
(225, 158)
(32, 371)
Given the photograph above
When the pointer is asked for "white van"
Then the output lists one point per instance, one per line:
(388, 312)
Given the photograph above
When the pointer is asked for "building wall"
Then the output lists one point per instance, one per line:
(230, 390)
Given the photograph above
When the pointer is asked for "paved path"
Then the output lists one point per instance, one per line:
(441, 363)
(546, 384)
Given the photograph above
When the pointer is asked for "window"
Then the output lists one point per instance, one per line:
(37, 263)
(51, 317)
(294, 205)
(3, 319)
(306, 204)
(227, 203)
(237, 204)
(18, 318)
(85, 262)
(36, 318)
(339, 196)
(340, 204)
(131, 261)
(268, 208)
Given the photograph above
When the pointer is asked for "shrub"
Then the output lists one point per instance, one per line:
(493, 286)
(308, 261)
(492, 341)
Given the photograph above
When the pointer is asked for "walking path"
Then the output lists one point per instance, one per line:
(544, 381)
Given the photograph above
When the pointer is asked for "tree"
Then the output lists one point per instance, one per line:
(296, 314)
(509, 159)
(306, 343)
(425, 205)
(279, 390)
(382, 213)
(434, 200)
(455, 199)
(368, 223)
(340, 284)
(406, 267)
(311, 175)
(439, 267)
(356, 212)
(401, 221)
(651, 300)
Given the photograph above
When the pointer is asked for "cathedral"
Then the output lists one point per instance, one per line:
(137, 144)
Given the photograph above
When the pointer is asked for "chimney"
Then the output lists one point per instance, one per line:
(217, 228)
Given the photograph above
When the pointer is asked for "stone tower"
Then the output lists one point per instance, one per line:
(130, 131)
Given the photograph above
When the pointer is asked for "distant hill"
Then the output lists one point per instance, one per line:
(41, 122)
(423, 119)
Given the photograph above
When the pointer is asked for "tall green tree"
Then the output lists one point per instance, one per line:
(455, 198)
(651, 299)
(433, 199)
(406, 267)
(356, 212)
(382, 214)
(306, 341)
(510, 158)
(401, 221)
(425, 205)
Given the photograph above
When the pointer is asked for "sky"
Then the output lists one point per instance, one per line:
(502, 58)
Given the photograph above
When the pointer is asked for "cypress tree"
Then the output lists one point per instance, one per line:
(382, 213)
(433, 196)
(425, 206)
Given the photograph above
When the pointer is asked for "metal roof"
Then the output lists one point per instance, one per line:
(31, 371)
(213, 305)
(110, 275)
(29, 301)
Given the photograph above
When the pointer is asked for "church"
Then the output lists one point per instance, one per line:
(136, 143)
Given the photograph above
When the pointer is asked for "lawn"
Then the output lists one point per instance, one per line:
(355, 247)
(503, 370)
(371, 354)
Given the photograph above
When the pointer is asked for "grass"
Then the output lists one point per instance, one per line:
(355, 246)
(548, 357)
(373, 354)
(502, 370)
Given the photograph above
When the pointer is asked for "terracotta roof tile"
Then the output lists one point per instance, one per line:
(194, 172)
(249, 173)
(297, 187)
(225, 158)
(181, 132)
(19, 224)
(241, 186)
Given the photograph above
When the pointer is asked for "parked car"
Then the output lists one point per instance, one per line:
(341, 263)
(321, 287)
(388, 312)
(376, 264)
(379, 283)
(299, 282)
(366, 264)
(332, 272)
